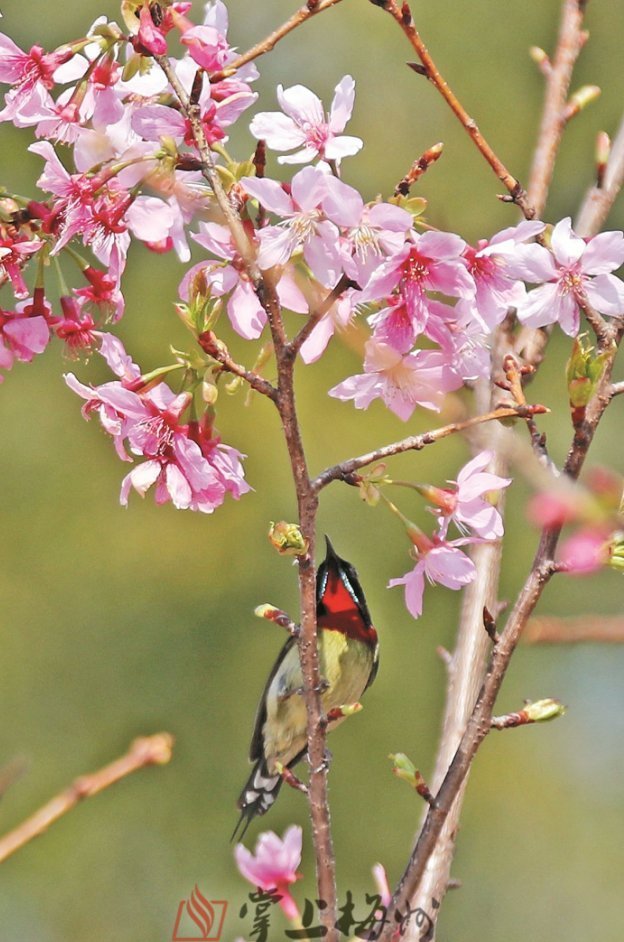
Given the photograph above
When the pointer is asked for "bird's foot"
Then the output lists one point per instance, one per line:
(290, 778)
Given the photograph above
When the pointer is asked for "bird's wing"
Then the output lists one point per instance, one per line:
(256, 749)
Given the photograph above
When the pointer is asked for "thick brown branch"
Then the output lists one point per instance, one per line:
(570, 42)
(403, 17)
(148, 750)
(211, 345)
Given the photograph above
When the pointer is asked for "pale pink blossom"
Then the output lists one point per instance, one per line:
(441, 563)
(497, 289)
(305, 125)
(304, 225)
(371, 232)
(465, 504)
(14, 253)
(273, 865)
(402, 381)
(246, 314)
(576, 272)
(337, 318)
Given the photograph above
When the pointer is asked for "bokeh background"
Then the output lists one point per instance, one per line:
(116, 622)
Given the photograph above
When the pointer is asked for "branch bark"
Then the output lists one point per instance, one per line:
(148, 750)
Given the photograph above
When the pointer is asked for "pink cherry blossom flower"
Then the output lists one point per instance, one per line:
(441, 563)
(303, 226)
(371, 232)
(273, 865)
(585, 551)
(25, 332)
(575, 273)
(430, 262)
(29, 73)
(496, 288)
(402, 381)
(246, 314)
(150, 38)
(465, 505)
(305, 125)
(14, 252)
(337, 318)
(146, 421)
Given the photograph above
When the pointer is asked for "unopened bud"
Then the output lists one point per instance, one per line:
(404, 768)
(543, 710)
(583, 372)
(209, 393)
(541, 60)
(603, 152)
(583, 97)
(288, 539)
(266, 610)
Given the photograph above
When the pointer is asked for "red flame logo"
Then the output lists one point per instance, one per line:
(207, 915)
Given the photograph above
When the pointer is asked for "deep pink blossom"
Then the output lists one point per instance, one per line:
(441, 562)
(146, 421)
(25, 332)
(431, 262)
(402, 381)
(465, 505)
(574, 273)
(150, 38)
(14, 252)
(305, 125)
(273, 865)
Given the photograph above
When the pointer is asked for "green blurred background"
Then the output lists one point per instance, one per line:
(121, 622)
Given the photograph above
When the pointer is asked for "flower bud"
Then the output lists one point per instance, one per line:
(288, 539)
(543, 710)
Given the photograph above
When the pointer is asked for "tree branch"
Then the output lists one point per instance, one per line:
(549, 629)
(342, 471)
(306, 12)
(403, 17)
(479, 724)
(148, 750)
(554, 119)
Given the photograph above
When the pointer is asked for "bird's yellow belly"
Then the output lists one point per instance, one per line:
(345, 666)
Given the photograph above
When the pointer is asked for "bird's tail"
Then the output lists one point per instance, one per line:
(257, 796)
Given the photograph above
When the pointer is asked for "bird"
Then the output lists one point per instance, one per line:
(348, 661)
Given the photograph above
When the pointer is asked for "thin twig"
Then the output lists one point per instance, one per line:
(304, 13)
(582, 629)
(420, 166)
(403, 17)
(345, 469)
(215, 348)
(599, 199)
(148, 750)
(569, 44)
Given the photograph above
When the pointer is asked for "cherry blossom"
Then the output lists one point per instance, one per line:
(14, 252)
(31, 75)
(25, 332)
(402, 381)
(305, 125)
(431, 262)
(585, 551)
(465, 506)
(575, 273)
(273, 865)
(440, 562)
(303, 226)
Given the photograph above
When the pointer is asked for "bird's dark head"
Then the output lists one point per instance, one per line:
(340, 601)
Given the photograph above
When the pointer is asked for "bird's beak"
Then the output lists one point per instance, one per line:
(331, 555)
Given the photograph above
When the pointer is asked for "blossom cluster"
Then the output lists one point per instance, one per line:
(123, 129)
